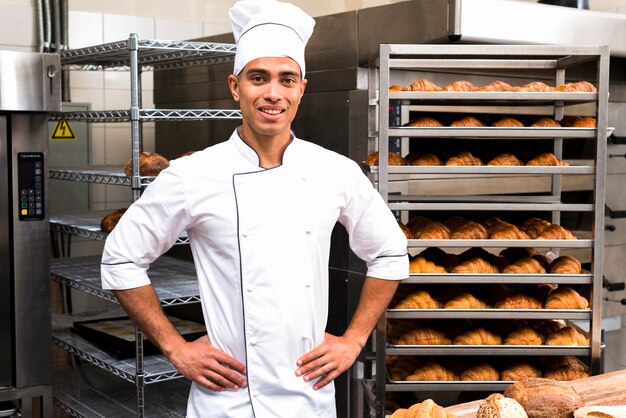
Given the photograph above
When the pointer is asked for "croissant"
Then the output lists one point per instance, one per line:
(427, 409)
(546, 159)
(464, 158)
(505, 159)
(579, 122)
(506, 231)
(565, 265)
(566, 298)
(515, 253)
(567, 336)
(475, 266)
(465, 229)
(419, 299)
(548, 327)
(432, 371)
(543, 260)
(546, 123)
(526, 265)
(478, 336)
(535, 87)
(425, 122)
(467, 121)
(523, 336)
(481, 372)
(461, 85)
(519, 301)
(422, 159)
(405, 230)
(565, 362)
(395, 87)
(579, 86)
(421, 265)
(428, 229)
(555, 231)
(564, 374)
(393, 159)
(496, 86)
(422, 336)
(403, 368)
(424, 85)
(465, 301)
(519, 371)
(534, 226)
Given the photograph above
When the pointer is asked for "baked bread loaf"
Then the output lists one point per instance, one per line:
(150, 164)
(422, 159)
(424, 85)
(477, 336)
(565, 297)
(534, 226)
(545, 398)
(505, 159)
(545, 123)
(420, 299)
(393, 158)
(519, 301)
(110, 220)
(464, 158)
(528, 265)
(520, 371)
(465, 300)
(461, 85)
(421, 265)
(425, 122)
(579, 122)
(475, 266)
(422, 336)
(535, 87)
(597, 411)
(425, 409)
(546, 159)
(568, 336)
(555, 231)
(524, 336)
(496, 86)
(432, 371)
(497, 405)
(481, 372)
(579, 86)
(467, 121)
(565, 264)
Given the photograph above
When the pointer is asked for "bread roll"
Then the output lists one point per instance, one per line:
(150, 164)
(597, 411)
(499, 406)
(110, 220)
(427, 409)
(545, 398)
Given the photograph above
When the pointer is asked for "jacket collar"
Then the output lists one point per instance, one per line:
(250, 154)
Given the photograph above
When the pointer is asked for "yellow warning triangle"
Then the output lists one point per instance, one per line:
(62, 130)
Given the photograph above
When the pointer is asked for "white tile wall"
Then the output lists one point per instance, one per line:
(171, 29)
(18, 28)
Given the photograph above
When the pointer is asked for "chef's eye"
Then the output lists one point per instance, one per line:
(256, 79)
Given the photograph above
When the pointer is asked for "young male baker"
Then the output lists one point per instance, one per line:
(259, 210)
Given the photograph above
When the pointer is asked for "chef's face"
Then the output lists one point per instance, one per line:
(268, 90)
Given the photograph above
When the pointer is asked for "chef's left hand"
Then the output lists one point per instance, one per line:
(328, 360)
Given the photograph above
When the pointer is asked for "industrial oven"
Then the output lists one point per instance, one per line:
(29, 88)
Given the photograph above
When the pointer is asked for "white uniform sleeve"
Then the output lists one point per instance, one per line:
(147, 229)
(375, 236)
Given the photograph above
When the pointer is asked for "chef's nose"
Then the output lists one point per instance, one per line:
(273, 91)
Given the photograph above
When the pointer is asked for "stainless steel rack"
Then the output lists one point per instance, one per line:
(174, 280)
(404, 62)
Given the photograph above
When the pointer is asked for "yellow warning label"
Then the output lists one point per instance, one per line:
(63, 130)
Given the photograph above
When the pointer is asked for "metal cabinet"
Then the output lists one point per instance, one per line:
(118, 387)
(496, 190)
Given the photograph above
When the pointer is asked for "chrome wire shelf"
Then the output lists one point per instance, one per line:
(87, 225)
(88, 392)
(151, 55)
(148, 115)
(174, 280)
(157, 368)
(112, 175)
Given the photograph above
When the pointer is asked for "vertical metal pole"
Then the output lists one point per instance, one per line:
(383, 128)
(599, 202)
(135, 123)
(381, 359)
(557, 180)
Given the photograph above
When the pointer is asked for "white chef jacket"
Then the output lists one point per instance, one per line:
(260, 240)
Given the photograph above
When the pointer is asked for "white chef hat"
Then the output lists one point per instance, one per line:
(269, 28)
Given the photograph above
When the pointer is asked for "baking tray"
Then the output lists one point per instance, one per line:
(116, 336)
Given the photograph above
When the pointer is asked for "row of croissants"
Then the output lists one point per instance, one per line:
(506, 122)
(467, 159)
(496, 86)
(457, 227)
(414, 369)
(549, 332)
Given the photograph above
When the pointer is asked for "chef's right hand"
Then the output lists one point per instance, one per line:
(209, 366)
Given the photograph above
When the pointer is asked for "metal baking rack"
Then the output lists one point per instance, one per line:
(149, 115)
(400, 186)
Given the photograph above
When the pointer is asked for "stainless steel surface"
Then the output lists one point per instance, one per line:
(29, 82)
(157, 367)
(6, 323)
(174, 280)
(90, 393)
(498, 243)
(487, 350)
(582, 314)
(426, 278)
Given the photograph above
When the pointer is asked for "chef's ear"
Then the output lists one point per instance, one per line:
(233, 84)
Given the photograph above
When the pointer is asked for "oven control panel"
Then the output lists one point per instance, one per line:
(30, 181)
